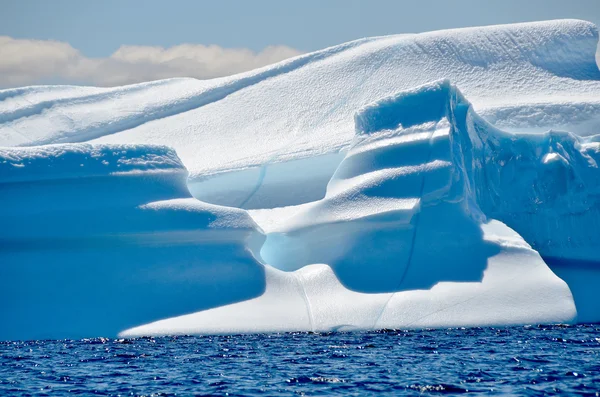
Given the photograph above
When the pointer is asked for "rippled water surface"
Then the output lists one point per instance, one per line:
(534, 361)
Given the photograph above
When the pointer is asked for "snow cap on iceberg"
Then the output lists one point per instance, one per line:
(427, 103)
(84, 160)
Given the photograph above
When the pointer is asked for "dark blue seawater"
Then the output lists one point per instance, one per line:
(537, 360)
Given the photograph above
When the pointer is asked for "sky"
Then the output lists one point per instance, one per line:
(113, 42)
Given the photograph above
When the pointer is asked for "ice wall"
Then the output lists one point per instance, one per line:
(99, 238)
(546, 186)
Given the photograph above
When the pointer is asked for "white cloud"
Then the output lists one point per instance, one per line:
(24, 62)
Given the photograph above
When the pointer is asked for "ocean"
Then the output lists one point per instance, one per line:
(531, 360)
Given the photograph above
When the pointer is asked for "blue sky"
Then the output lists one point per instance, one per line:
(97, 29)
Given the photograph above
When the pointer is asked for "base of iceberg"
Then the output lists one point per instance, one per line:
(516, 288)
(583, 278)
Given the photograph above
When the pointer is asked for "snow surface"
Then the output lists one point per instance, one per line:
(383, 197)
(543, 75)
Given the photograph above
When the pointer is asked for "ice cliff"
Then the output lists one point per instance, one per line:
(97, 238)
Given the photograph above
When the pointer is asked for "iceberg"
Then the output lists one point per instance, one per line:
(353, 188)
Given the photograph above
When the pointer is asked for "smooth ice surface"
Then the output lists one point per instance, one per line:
(537, 75)
(96, 239)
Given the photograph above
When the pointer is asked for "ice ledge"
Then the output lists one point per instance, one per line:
(84, 160)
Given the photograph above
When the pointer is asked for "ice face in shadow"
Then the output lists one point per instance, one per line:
(399, 213)
(100, 238)
(393, 219)
(517, 288)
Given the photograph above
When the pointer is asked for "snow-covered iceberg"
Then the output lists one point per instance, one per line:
(377, 195)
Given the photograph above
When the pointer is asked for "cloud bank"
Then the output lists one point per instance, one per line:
(26, 62)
